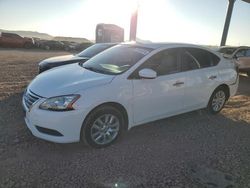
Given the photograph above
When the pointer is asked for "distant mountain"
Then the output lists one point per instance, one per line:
(46, 36)
(73, 39)
(30, 34)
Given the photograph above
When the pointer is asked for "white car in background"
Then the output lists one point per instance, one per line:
(241, 56)
(124, 86)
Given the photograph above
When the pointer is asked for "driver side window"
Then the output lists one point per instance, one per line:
(163, 63)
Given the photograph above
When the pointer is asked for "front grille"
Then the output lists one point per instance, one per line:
(30, 98)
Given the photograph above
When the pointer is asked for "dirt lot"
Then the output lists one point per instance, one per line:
(192, 150)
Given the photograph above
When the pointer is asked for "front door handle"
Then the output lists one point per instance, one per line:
(212, 77)
(178, 83)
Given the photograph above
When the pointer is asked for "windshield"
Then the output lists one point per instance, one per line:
(116, 60)
(94, 49)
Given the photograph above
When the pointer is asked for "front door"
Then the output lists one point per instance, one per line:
(163, 96)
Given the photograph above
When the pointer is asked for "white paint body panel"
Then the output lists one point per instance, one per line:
(158, 97)
(145, 100)
(67, 80)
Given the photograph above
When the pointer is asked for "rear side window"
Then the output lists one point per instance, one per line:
(203, 57)
(11, 35)
(6, 35)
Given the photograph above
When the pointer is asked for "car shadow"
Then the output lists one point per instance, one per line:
(158, 150)
(13, 129)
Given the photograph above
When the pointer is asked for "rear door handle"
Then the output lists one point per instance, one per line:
(212, 77)
(178, 83)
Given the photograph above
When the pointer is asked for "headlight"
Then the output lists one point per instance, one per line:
(60, 103)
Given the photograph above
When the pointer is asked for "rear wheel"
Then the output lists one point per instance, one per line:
(217, 100)
(27, 45)
(103, 127)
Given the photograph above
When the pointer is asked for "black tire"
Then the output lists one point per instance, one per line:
(86, 135)
(27, 45)
(211, 107)
(46, 47)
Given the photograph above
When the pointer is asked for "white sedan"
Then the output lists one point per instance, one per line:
(124, 86)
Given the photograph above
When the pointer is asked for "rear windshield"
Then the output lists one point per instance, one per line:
(228, 51)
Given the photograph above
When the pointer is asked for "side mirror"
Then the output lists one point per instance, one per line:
(147, 74)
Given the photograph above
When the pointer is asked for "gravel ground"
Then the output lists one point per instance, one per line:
(193, 150)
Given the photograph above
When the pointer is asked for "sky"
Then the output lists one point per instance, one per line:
(189, 21)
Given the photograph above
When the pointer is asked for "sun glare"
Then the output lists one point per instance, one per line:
(84, 19)
(158, 21)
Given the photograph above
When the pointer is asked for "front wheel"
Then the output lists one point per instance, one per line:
(103, 127)
(217, 100)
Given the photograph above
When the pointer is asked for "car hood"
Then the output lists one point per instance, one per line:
(67, 80)
(63, 58)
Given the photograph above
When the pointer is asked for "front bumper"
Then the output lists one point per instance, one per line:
(67, 123)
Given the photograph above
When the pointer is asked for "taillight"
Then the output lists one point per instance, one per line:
(236, 66)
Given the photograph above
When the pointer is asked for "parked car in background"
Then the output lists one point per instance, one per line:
(52, 45)
(241, 56)
(124, 86)
(37, 41)
(13, 40)
(70, 45)
(82, 46)
(228, 50)
(68, 59)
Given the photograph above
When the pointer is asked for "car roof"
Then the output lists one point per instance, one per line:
(107, 44)
(158, 45)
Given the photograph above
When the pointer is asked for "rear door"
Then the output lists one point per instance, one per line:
(201, 76)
